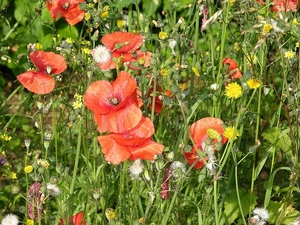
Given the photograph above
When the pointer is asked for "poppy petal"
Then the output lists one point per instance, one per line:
(37, 82)
(122, 42)
(147, 151)
(78, 219)
(113, 152)
(48, 60)
(119, 121)
(97, 97)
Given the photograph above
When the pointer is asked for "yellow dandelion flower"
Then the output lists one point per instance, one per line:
(289, 54)
(233, 90)
(212, 134)
(38, 46)
(253, 83)
(231, 133)
(69, 40)
(164, 72)
(29, 222)
(162, 35)
(104, 15)
(13, 175)
(87, 16)
(120, 23)
(110, 214)
(78, 96)
(196, 71)
(28, 169)
(182, 86)
(267, 28)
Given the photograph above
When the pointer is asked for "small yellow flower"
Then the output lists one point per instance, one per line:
(297, 44)
(289, 54)
(110, 214)
(236, 47)
(231, 2)
(182, 86)
(213, 134)
(267, 28)
(162, 35)
(78, 96)
(5, 137)
(233, 90)
(77, 105)
(90, 5)
(120, 23)
(38, 46)
(28, 169)
(69, 40)
(86, 51)
(85, 42)
(104, 15)
(29, 222)
(164, 72)
(142, 220)
(13, 175)
(87, 16)
(218, 48)
(296, 22)
(231, 133)
(253, 83)
(196, 71)
(106, 8)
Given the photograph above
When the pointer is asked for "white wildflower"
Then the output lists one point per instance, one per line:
(53, 189)
(172, 44)
(10, 219)
(177, 168)
(101, 54)
(136, 168)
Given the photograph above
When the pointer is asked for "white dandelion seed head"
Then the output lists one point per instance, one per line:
(53, 189)
(101, 54)
(10, 219)
(296, 221)
(172, 44)
(262, 213)
(136, 168)
(177, 168)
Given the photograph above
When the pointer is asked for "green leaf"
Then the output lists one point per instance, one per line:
(231, 205)
(122, 3)
(279, 138)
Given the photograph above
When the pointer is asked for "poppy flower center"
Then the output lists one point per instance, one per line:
(48, 69)
(66, 5)
(114, 101)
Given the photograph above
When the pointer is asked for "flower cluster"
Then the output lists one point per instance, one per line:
(121, 48)
(207, 135)
(117, 110)
(40, 81)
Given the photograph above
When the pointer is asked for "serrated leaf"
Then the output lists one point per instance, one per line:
(231, 205)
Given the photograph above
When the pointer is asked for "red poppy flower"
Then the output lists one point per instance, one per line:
(202, 131)
(115, 104)
(123, 47)
(233, 68)
(77, 219)
(282, 5)
(40, 81)
(133, 144)
(70, 9)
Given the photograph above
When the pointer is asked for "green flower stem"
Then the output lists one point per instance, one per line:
(196, 37)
